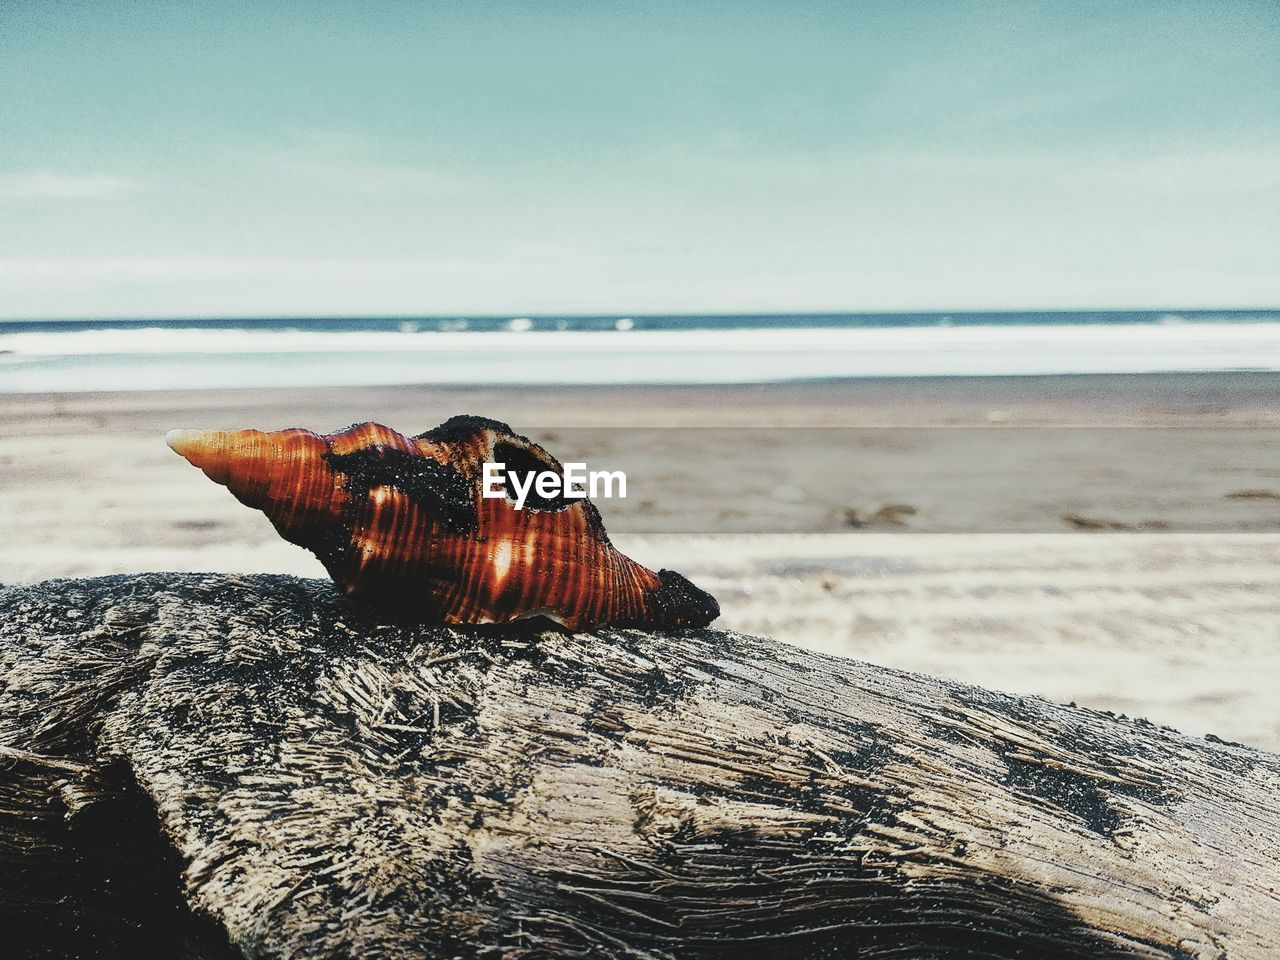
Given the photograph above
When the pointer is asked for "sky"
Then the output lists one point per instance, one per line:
(375, 158)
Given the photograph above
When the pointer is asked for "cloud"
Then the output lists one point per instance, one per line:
(181, 269)
(47, 185)
(524, 281)
(1206, 171)
(379, 178)
(343, 161)
(1176, 171)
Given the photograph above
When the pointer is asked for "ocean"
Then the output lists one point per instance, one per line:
(52, 356)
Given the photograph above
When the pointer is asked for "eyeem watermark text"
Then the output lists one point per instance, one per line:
(573, 483)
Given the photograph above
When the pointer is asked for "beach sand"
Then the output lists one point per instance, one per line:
(1149, 584)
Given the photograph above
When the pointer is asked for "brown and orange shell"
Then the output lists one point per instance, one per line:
(401, 522)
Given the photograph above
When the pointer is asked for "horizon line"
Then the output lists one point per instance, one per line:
(577, 315)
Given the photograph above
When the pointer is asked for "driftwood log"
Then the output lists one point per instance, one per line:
(209, 766)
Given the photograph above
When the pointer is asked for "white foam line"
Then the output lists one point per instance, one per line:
(1263, 338)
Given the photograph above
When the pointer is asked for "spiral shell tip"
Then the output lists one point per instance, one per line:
(181, 441)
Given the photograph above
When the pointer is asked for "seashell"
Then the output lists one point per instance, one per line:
(401, 521)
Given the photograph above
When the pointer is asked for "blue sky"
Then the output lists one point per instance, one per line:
(222, 159)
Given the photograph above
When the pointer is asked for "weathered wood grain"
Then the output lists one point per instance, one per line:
(207, 766)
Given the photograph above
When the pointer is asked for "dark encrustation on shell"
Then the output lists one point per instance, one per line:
(401, 521)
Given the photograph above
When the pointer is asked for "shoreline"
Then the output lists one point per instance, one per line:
(219, 358)
(1091, 399)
